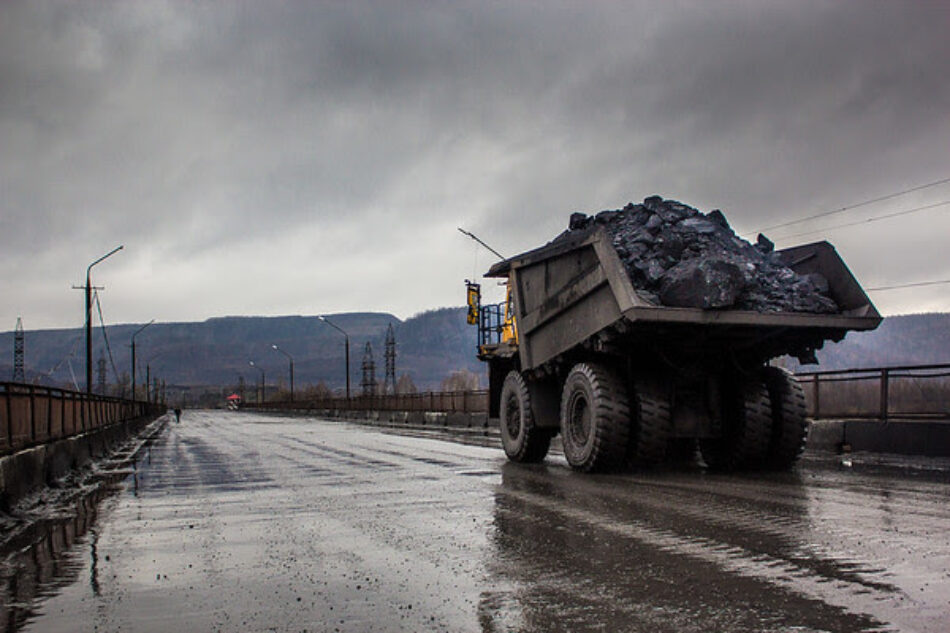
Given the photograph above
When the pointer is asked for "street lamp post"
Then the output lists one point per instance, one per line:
(89, 317)
(347, 342)
(291, 359)
(133, 355)
(148, 377)
(260, 398)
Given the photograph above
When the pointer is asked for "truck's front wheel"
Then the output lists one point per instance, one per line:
(522, 439)
(595, 418)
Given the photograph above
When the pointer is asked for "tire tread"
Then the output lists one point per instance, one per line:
(610, 419)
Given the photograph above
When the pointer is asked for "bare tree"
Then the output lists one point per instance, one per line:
(320, 390)
(461, 380)
(405, 385)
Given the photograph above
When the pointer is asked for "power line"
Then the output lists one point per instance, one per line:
(69, 354)
(867, 220)
(73, 374)
(851, 206)
(910, 285)
(106, 337)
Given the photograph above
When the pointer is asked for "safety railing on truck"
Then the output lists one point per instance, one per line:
(491, 324)
(908, 392)
(432, 401)
(31, 415)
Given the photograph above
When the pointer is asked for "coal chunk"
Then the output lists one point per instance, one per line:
(578, 221)
(702, 283)
(717, 216)
(819, 282)
(676, 255)
(700, 225)
(654, 223)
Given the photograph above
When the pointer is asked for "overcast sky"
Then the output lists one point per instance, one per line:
(304, 158)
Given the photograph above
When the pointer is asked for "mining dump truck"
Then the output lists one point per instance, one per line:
(579, 349)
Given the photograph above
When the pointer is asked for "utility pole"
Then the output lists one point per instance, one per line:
(133, 355)
(291, 359)
(260, 398)
(346, 338)
(88, 289)
(389, 385)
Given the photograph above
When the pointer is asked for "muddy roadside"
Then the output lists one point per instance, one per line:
(45, 523)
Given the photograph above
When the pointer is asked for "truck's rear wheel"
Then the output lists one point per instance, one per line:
(746, 429)
(789, 422)
(522, 439)
(595, 418)
(651, 424)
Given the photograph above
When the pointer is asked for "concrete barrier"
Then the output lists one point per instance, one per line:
(32, 468)
(899, 437)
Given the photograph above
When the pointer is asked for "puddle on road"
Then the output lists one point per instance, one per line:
(53, 535)
(52, 561)
(577, 545)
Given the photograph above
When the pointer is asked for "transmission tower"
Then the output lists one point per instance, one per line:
(369, 371)
(18, 373)
(101, 375)
(389, 385)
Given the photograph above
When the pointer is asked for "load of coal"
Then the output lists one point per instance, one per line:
(678, 256)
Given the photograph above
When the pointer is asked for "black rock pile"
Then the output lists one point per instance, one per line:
(678, 256)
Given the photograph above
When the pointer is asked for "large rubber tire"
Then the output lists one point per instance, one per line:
(789, 421)
(746, 429)
(651, 426)
(595, 419)
(522, 440)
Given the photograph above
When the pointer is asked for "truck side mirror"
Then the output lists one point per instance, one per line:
(474, 295)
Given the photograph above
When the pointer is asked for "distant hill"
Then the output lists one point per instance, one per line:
(430, 346)
(909, 339)
(216, 352)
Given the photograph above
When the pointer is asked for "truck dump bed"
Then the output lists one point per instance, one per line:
(575, 293)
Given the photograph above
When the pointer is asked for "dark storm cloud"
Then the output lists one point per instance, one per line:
(232, 144)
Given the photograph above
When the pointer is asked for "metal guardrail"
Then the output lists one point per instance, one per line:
(31, 415)
(876, 393)
(431, 401)
(880, 393)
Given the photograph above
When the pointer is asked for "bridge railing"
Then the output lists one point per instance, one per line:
(904, 392)
(881, 393)
(431, 401)
(31, 415)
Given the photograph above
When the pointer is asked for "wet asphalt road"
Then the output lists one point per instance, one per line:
(243, 522)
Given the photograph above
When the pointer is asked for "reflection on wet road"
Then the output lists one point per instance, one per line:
(247, 522)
